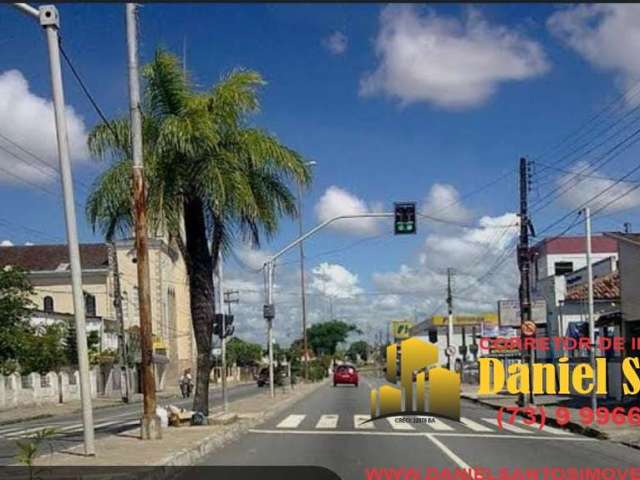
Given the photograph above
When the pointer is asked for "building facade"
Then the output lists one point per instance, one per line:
(49, 273)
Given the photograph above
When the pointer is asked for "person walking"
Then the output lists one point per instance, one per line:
(186, 383)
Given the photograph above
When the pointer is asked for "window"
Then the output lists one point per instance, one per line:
(562, 268)
(48, 304)
(89, 305)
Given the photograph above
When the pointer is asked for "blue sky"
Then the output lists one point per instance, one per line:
(530, 75)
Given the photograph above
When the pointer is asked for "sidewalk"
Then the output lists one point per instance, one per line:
(626, 434)
(181, 445)
(46, 410)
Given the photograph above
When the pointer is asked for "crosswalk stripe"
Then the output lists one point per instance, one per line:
(506, 426)
(327, 421)
(292, 421)
(438, 425)
(357, 422)
(546, 428)
(399, 425)
(475, 426)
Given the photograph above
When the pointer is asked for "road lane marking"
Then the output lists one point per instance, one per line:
(399, 425)
(292, 421)
(507, 426)
(357, 422)
(421, 434)
(546, 428)
(327, 421)
(438, 425)
(475, 426)
(448, 452)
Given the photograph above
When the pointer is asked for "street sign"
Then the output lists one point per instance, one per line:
(405, 218)
(509, 312)
(450, 351)
(528, 329)
(216, 352)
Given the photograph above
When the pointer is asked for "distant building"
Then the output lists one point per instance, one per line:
(49, 272)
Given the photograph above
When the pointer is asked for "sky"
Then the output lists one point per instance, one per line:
(432, 104)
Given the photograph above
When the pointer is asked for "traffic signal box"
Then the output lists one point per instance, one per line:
(405, 218)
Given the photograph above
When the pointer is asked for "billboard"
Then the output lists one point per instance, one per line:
(401, 329)
(463, 320)
(509, 312)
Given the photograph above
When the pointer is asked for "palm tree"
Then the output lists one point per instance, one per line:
(211, 177)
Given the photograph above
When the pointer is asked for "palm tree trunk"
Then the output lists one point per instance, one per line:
(201, 291)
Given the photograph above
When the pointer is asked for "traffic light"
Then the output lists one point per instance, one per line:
(405, 218)
(433, 335)
(228, 324)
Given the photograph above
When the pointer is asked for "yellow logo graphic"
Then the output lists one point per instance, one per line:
(444, 385)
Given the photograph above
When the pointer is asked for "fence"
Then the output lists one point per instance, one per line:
(36, 389)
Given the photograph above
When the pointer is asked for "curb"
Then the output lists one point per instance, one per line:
(571, 426)
(189, 456)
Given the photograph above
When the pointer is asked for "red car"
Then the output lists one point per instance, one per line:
(345, 374)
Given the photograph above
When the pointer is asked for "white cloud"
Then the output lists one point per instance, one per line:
(336, 201)
(584, 183)
(6, 243)
(28, 120)
(335, 281)
(251, 257)
(443, 202)
(336, 43)
(454, 64)
(414, 289)
(606, 35)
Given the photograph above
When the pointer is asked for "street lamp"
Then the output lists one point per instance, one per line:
(302, 289)
(48, 18)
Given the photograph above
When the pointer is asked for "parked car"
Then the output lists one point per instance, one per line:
(262, 378)
(345, 375)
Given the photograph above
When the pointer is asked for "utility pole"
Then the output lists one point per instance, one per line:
(524, 265)
(49, 19)
(122, 338)
(592, 333)
(302, 289)
(450, 363)
(150, 423)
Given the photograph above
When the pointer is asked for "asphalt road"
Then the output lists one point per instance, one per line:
(323, 430)
(106, 420)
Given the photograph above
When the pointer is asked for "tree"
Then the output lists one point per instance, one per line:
(360, 349)
(15, 305)
(44, 350)
(206, 170)
(243, 353)
(71, 344)
(324, 337)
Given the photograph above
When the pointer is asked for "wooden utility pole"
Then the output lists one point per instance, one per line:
(524, 265)
(150, 424)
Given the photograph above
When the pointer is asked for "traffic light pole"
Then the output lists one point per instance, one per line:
(269, 265)
(223, 342)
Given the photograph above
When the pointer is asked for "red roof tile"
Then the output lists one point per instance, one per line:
(36, 258)
(606, 287)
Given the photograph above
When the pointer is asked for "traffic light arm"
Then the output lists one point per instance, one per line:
(320, 227)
